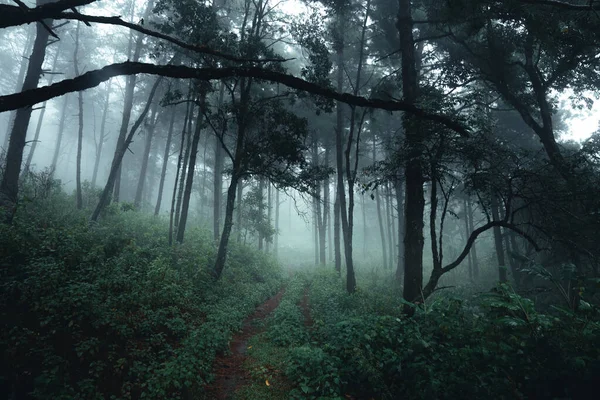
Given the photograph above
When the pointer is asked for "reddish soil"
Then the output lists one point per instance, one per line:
(304, 306)
(229, 368)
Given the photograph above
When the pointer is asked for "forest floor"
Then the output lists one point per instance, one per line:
(230, 374)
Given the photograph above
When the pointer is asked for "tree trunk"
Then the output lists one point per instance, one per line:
(276, 240)
(401, 228)
(100, 143)
(116, 163)
(326, 210)
(467, 234)
(474, 247)
(336, 234)
(380, 216)
(41, 117)
(227, 226)
(390, 227)
(79, 194)
(137, 202)
(163, 172)
(218, 171)
(498, 240)
(191, 170)
(128, 100)
(60, 132)
(269, 212)
(240, 198)
(19, 83)
(261, 209)
(184, 166)
(413, 173)
(9, 187)
(179, 165)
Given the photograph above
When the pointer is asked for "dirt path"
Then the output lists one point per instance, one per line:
(229, 368)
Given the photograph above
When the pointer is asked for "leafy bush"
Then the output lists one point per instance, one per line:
(109, 310)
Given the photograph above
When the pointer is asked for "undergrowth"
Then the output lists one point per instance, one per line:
(110, 310)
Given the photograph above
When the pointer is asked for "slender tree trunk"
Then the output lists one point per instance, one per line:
(183, 175)
(19, 84)
(498, 240)
(79, 194)
(380, 216)
(163, 172)
(401, 228)
(191, 170)
(60, 132)
(336, 234)
(146, 155)
(179, 165)
(467, 234)
(128, 100)
(240, 198)
(474, 246)
(261, 209)
(390, 227)
(326, 210)
(269, 212)
(276, 240)
(100, 143)
(116, 163)
(40, 120)
(415, 198)
(9, 187)
(364, 220)
(218, 171)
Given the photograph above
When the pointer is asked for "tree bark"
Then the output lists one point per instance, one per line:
(179, 165)
(498, 240)
(380, 216)
(128, 100)
(118, 157)
(79, 194)
(100, 143)
(40, 120)
(413, 173)
(184, 166)
(19, 84)
(163, 172)
(473, 251)
(9, 187)
(401, 229)
(191, 170)
(151, 126)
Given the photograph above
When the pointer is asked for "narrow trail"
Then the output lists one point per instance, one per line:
(229, 368)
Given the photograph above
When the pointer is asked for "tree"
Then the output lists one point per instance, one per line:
(9, 187)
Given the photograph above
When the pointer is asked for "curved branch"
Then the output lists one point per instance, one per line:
(94, 78)
(478, 232)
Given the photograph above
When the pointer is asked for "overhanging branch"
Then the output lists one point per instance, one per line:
(94, 78)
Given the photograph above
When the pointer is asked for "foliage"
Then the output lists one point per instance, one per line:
(110, 310)
(499, 347)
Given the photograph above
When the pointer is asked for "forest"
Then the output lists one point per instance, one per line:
(299, 199)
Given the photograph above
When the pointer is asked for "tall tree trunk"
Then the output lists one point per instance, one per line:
(183, 174)
(79, 194)
(474, 246)
(498, 240)
(146, 155)
(239, 210)
(40, 120)
(19, 84)
(390, 227)
(399, 190)
(9, 187)
(364, 221)
(261, 209)
(269, 213)
(415, 198)
(179, 165)
(60, 132)
(187, 195)
(326, 210)
(276, 239)
(128, 100)
(218, 171)
(336, 234)
(163, 172)
(100, 143)
(118, 157)
(380, 216)
(467, 234)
